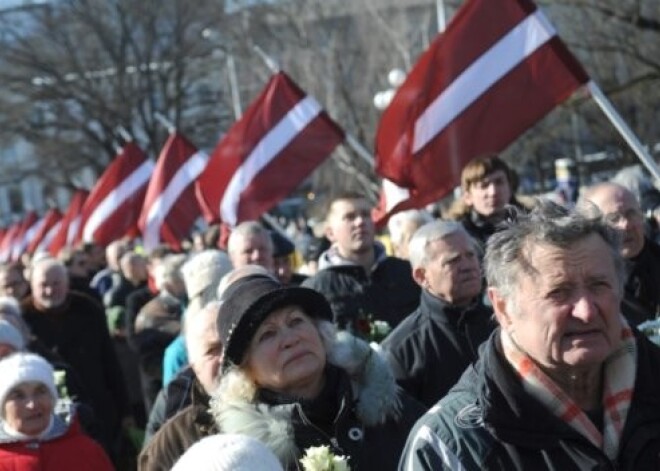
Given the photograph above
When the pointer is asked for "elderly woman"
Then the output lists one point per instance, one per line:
(292, 382)
(32, 436)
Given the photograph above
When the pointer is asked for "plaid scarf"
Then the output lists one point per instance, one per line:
(618, 385)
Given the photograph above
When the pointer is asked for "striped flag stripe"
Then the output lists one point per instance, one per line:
(265, 151)
(479, 77)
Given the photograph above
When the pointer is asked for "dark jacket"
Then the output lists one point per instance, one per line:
(641, 300)
(431, 348)
(488, 421)
(388, 293)
(77, 332)
(360, 413)
(171, 400)
(179, 433)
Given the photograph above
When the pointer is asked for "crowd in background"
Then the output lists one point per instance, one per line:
(282, 344)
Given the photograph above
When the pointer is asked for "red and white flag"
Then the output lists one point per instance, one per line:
(497, 69)
(70, 223)
(114, 204)
(282, 137)
(7, 242)
(28, 227)
(47, 222)
(170, 207)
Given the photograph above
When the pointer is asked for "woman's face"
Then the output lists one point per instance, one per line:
(286, 354)
(28, 407)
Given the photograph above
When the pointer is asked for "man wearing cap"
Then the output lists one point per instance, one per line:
(283, 250)
(355, 274)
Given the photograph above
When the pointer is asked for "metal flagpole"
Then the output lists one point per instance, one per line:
(621, 126)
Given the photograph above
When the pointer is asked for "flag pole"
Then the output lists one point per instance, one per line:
(233, 85)
(171, 128)
(617, 121)
(123, 132)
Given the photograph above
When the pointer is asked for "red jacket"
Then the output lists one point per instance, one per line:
(71, 450)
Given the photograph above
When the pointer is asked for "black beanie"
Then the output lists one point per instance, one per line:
(248, 302)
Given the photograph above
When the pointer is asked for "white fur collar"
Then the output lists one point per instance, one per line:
(373, 385)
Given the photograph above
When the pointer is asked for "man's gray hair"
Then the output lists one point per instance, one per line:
(397, 222)
(436, 230)
(507, 251)
(248, 228)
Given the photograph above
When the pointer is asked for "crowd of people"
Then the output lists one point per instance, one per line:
(510, 342)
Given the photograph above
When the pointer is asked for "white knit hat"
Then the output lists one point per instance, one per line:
(202, 273)
(228, 452)
(10, 335)
(21, 367)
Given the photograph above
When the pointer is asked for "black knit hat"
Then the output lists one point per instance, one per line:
(249, 301)
(282, 245)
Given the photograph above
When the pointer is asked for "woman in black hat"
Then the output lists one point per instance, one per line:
(294, 383)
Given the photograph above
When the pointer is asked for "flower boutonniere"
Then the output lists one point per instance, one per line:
(320, 458)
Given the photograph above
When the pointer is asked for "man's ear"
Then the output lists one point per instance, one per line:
(500, 310)
(329, 233)
(419, 275)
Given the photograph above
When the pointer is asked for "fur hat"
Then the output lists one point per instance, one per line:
(202, 273)
(228, 452)
(21, 367)
(248, 302)
(10, 335)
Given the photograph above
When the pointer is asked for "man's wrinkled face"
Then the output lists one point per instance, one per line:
(565, 314)
(453, 273)
(252, 249)
(621, 211)
(50, 286)
(350, 227)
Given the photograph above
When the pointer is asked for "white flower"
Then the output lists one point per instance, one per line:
(320, 458)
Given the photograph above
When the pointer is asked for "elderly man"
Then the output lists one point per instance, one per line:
(355, 274)
(72, 326)
(564, 383)
(641, 300)
(250, 243)
(193, 422)
(431, 348)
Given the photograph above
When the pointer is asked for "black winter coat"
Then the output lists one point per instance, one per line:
(388, 293)
(431, 348)
(488, 422)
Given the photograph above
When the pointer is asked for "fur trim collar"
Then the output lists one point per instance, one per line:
(372, 384)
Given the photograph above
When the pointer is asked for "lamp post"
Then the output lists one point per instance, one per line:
(395, 78)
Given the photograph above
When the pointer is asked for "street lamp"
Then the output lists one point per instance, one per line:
(395, 78)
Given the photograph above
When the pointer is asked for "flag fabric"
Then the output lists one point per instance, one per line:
(113, 207)
(26, 231)
(48, 221)
(69, 224)
(282, 137)
(497, 69)
(7, 242)
(170, 206)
